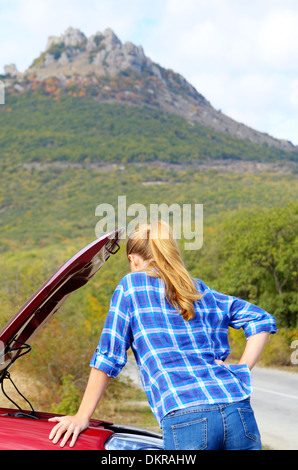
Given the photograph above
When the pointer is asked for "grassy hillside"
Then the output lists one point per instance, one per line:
(39, 126)
(39, 207)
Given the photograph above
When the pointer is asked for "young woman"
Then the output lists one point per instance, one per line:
(177, 328)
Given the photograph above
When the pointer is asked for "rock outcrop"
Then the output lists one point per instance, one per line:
(11, 70)
(101, 53)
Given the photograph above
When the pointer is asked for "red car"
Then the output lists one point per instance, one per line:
(29, 430)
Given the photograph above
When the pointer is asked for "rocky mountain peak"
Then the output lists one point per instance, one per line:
(74, 37)
(122, 72)
(101, 54)
(71, 37)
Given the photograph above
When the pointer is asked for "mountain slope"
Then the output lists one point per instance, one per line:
(47, 124)
(122, 73)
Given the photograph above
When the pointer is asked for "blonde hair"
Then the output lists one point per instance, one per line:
(155, 244)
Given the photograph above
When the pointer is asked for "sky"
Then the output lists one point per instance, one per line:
(242, 56)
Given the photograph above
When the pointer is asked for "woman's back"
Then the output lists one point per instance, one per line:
(176, 357)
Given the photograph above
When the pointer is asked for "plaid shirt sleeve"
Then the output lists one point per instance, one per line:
(111, 353)
(251, 318)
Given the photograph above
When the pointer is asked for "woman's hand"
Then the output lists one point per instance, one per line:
(219, 362)
(74, 425)
(67, 426)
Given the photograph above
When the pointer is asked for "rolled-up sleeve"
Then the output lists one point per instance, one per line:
(242, 314)
(250, 318)
(111, 353)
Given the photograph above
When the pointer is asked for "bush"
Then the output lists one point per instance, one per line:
(70, 397)
(277, 351)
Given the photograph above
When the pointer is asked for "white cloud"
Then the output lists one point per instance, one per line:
(278, 39)
(294, 93)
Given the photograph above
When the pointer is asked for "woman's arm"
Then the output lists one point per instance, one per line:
(253, 349)
(74, 425)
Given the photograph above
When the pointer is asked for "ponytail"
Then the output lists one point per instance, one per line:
(156, 245)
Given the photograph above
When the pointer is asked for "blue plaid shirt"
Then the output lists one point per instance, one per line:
(176, 357)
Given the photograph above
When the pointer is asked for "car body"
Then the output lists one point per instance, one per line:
(30, 429)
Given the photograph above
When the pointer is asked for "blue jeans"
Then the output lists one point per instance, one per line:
(230, 426)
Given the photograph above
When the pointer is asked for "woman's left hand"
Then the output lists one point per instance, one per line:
(219, 362)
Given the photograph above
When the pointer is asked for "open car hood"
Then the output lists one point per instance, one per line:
(48, 299)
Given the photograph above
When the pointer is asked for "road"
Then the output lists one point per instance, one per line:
(275, 403)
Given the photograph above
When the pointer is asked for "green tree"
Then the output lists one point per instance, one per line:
(258, 260)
